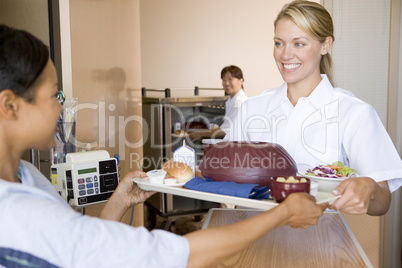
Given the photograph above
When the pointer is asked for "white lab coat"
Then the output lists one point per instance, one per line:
(232, 107)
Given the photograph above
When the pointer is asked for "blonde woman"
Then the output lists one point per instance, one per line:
(316, 122)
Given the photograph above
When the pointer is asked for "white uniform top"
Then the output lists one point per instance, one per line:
(37, 226)
(232, 107)
(329, 125)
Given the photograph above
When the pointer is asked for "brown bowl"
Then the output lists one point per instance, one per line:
(247, 162)
(281, 190)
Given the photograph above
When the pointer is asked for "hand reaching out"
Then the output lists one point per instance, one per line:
(126, 195)
(129, 192)
(303, 210)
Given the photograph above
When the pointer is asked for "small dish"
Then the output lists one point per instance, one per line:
(281, 190)
(156, 176)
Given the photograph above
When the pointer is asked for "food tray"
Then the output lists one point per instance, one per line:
(143, 183)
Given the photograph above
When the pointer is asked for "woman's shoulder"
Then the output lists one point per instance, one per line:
(351, 106)
(25, 165)
(347, 98)
(344, 93)
(33, 177)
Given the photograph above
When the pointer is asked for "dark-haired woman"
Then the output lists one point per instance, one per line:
(232, 82)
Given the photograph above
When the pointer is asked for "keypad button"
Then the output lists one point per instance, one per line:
(82, 192)
(89, 179)
(90, 185)
(96, 184)
(95, 178)
(80, 181)
(82, 200)
(90, 191)
(81, 186)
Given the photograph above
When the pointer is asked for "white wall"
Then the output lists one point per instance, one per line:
(106, 79)
(187, 43)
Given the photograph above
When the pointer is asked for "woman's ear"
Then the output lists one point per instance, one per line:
(8, 104)
(326, 45)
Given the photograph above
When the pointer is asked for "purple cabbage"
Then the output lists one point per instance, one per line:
(322, 171)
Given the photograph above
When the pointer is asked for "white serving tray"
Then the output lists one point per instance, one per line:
(144, 184)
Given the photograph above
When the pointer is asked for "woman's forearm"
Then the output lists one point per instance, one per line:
(212, 246)
(380, 200)
(113, 210)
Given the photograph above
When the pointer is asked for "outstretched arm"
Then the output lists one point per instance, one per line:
(212, 246)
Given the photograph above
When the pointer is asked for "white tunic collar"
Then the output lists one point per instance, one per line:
(240, 92)
(320, 96)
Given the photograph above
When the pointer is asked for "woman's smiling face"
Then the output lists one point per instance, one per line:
(297, 54)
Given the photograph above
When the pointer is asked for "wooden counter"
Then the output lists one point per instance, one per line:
(330, 243)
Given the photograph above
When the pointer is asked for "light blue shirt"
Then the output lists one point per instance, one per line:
(37, 221)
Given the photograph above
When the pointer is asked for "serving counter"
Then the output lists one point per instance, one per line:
(330, 243)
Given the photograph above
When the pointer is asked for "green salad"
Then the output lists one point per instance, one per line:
(336, 170)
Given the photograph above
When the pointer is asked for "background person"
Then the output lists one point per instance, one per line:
(232, 82)
(39, 229)
(317, 123)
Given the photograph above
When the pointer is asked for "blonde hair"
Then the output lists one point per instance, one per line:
(315, 20)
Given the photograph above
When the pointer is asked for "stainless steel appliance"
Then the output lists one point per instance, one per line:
(162, 117)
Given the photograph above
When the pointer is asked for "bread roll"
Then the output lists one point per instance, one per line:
(180, 132)
(181, 171)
